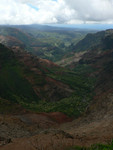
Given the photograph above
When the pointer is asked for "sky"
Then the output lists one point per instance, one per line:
(56, 12)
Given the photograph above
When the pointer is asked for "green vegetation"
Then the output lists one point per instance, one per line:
(13, 85)
(15, 88)
(53, 45)
(77, 79)
(101, 39)
(48, 44)
(76, 104)
(89, 42)
(93, 147)
(18, 34)
(12, 80)
(72, 106)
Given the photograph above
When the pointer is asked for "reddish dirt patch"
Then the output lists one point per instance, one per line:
(58, 117)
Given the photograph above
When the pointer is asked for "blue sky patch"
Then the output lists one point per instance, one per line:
(34, 7)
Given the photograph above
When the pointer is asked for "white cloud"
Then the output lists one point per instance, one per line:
(60, 11)
(92, 10)
(12, 12)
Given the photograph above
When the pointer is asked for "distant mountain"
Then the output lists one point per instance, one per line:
(42, 27)
(91, 41)
(14, 37)
(44, 41)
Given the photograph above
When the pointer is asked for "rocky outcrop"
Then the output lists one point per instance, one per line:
(4, 141)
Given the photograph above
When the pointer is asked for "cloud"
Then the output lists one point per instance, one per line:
(12, 12)
(92, 10)
(56, 11)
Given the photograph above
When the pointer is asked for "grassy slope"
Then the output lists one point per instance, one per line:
(93, 147)
(8, 31)
(78, 102)
(13, 85)
(92, 41)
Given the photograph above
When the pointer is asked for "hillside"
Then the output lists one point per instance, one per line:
(17, 77)
(44, 41)
(14, 37)
(92, 41)
(46, 87)
(95, 125)
(85, 93)
(97, 61)
(13, 83)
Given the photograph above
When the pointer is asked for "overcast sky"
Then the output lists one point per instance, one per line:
(56, 11)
